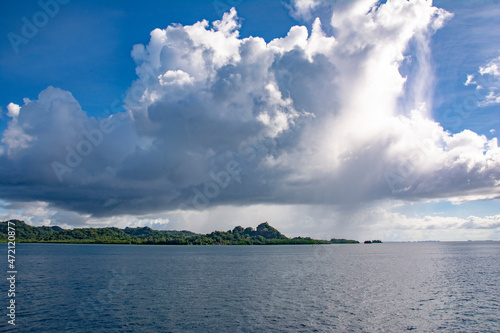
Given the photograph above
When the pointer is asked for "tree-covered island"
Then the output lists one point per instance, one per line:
(263, 235)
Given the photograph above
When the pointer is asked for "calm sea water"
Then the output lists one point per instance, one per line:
(419, 287)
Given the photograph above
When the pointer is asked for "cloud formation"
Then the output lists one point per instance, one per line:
(487, 80)
(214, 119)
(303, 9)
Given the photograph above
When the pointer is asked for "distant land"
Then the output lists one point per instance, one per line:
(263, 235)
(375, 241)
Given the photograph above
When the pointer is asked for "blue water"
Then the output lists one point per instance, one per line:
(398, 287)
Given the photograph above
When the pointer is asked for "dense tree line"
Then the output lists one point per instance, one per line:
(263, 235)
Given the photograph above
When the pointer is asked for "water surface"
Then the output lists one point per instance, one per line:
(419, 287)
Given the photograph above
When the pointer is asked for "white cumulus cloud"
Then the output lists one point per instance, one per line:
(13, 110)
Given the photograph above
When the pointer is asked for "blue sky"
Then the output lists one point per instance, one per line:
(468, 41)
(347, 135)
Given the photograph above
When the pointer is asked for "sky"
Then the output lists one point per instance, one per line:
(347, 119)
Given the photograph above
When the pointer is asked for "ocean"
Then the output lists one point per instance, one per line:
(390, 287)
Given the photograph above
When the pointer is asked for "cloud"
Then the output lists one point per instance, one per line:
(397, 226)
(487, 80)
(303, 9)
(13, 110)
(15, 138)
(215, 120)
(431, 222)
(175, 78)
(35, 213)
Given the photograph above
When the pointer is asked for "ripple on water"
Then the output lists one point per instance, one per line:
(342, 288)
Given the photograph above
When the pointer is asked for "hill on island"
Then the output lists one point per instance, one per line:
(263, 235)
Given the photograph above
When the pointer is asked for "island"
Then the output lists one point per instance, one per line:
(375, 241)
(265, 234)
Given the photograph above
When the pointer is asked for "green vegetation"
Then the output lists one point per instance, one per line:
(263, 235)
(343, 241)
(373, 241)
